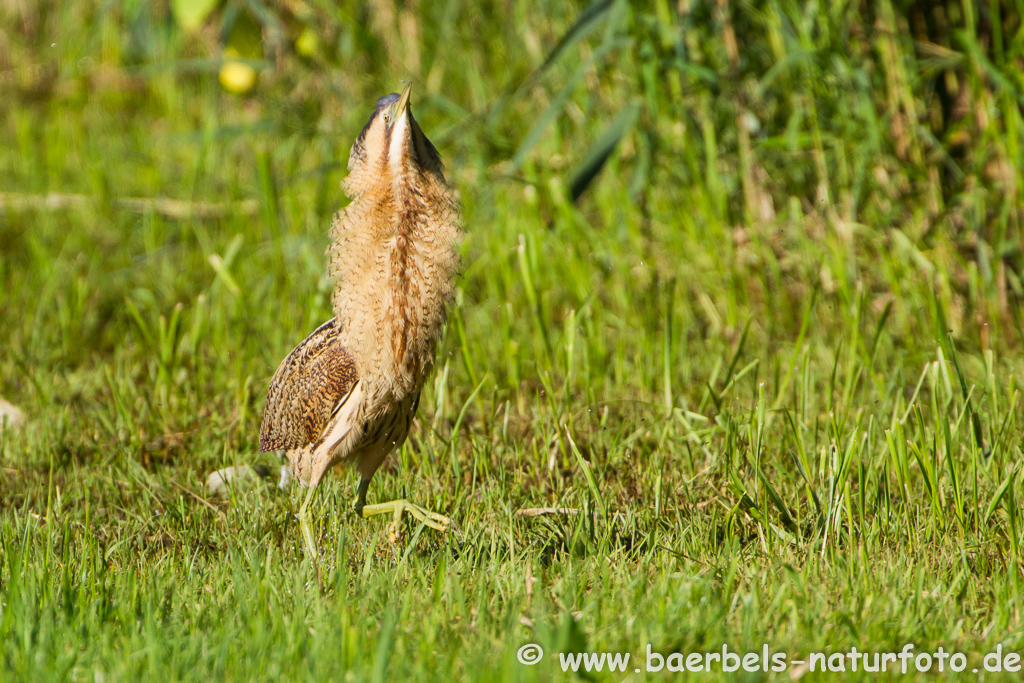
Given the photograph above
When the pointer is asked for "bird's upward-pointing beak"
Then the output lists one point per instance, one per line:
(403, 137)
(402, 105)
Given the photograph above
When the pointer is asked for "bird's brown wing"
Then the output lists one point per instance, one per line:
(307, 388)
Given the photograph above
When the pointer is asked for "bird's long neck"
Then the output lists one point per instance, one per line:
(393, 258)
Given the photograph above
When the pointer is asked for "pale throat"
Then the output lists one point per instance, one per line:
(396, 148)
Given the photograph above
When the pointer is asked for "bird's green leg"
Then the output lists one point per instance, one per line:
(307, 533)
(361, 496)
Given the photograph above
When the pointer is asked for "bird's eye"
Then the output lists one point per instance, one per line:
(387, 117)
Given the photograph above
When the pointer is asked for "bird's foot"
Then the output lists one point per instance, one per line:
(401, 506)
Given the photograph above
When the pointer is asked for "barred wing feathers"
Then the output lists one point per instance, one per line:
(309, 385)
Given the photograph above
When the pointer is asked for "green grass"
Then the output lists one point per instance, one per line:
(771, 352)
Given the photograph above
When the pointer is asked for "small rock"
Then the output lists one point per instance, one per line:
(242, 476)
(285, 480)
(10, 415)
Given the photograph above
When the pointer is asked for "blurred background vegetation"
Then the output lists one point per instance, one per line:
(774, 221)
(756, 151)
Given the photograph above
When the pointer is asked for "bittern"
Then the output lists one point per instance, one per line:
(349, 392)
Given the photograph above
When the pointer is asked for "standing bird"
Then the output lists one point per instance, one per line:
(349, 392)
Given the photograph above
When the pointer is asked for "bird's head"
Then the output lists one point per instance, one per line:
(391, 146)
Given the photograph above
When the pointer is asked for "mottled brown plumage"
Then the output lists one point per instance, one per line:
(348, 393)
(306, 390)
